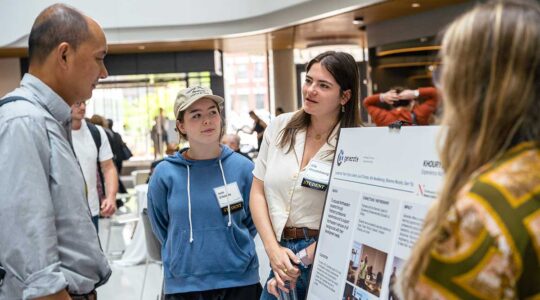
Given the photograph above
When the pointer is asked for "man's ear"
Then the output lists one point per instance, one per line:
(62, 53)
(345, 97)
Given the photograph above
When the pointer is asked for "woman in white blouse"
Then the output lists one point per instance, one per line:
(287, 197)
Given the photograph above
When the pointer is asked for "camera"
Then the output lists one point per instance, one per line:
(404, 102)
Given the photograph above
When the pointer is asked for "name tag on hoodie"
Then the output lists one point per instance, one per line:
(317, 175)
(234, 198)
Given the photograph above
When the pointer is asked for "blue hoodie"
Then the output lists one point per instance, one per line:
(202, 247)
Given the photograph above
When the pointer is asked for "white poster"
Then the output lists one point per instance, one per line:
(382, 183)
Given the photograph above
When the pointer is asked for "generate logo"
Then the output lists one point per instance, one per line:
(342, 158)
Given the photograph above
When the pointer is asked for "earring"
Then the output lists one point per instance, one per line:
(343, 108)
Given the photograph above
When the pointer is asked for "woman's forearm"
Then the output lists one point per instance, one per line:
(260, 215)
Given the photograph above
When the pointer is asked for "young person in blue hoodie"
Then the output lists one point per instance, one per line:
(198, 205)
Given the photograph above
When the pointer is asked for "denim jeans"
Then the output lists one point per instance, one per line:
(249, 292)
(303, 281)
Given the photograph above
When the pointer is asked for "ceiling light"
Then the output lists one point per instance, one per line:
(358, 20)
(415, 5)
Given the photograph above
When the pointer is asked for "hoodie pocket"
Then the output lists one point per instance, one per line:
(214, 250)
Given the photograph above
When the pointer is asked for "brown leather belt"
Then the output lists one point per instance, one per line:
(90, 296)
(293, 233)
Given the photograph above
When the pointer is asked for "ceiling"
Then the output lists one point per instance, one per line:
(337, 29)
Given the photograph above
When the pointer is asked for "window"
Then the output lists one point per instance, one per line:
(259, 71)
(260, 100)
(133, 101)
(246, 87)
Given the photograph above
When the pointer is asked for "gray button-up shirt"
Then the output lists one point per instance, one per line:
(47, 239)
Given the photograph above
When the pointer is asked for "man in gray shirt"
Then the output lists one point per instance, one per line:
(48, 244)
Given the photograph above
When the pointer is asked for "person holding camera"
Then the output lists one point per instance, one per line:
(411, 107)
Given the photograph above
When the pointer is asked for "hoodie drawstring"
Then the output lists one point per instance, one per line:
(189, 206)
(227, 192)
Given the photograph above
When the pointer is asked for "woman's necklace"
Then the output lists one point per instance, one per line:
(318, 136)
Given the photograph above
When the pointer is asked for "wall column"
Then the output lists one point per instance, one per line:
(284, 78)
(10, 74)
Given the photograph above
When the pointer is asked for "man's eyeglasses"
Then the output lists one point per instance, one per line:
(79, 103)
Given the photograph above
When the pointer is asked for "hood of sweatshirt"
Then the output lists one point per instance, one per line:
(178, 158)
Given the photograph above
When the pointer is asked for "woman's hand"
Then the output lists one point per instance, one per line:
(272, 286)
(281, 259)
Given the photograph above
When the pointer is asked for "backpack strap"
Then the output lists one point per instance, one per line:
(96, 136)
(12, 99)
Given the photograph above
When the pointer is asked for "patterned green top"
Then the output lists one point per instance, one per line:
(490, 242)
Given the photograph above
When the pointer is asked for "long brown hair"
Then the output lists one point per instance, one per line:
(491, 86)
(343, 68)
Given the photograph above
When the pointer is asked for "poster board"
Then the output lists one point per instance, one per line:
(382, 183)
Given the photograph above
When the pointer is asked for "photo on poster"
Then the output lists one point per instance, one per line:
(397, 264)
(354, 263)
(372, 266)
(354, 293)
(348, 294)
(366, 268)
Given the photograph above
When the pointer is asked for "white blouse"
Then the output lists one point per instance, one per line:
(289, 203)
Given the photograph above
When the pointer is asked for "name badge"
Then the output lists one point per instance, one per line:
(317, 175)
(233, 198)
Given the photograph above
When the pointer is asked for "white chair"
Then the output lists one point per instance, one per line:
(119, 221)
(153, 247)
(140, 176)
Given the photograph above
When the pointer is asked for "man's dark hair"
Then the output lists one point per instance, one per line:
(56, 24)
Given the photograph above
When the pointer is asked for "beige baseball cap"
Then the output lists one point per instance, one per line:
(188, 96)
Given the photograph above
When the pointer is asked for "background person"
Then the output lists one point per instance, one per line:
(233, 142)
(117, 146)
(487, 214)
(287, 214)
(95, 159)
(259, 126)
(413, 107)
(49, 246)
(198, 204)
(158, 134)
